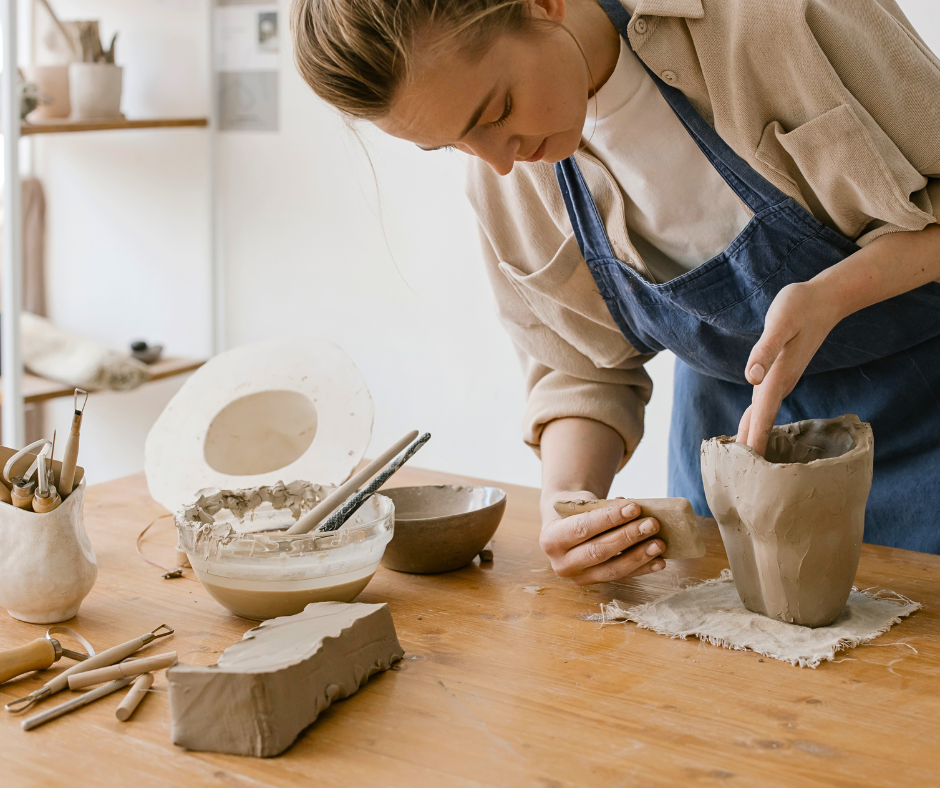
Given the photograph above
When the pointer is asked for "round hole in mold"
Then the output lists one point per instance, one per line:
(260, 433)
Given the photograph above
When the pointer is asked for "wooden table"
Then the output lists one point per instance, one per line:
(501, 686)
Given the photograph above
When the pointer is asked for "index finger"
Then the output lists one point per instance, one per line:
(768, 397)
(571, 531)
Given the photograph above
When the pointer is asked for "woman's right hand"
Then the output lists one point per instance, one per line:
(596, 547)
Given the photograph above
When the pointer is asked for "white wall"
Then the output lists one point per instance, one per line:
(307, 255)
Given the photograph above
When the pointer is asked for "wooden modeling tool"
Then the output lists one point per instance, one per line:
(47, 497)
(23, 494)
(70, 460)
(134, 696)
(102, 660)
(38, 655)
(316, 515)
(76, 703)
(128, 669)
(349, 508)
(677, 525)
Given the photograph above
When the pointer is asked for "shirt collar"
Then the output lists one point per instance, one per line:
(687, 8)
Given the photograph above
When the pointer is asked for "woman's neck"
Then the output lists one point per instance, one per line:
(599, 39)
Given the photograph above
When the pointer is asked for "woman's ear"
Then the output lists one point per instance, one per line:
(548, 10)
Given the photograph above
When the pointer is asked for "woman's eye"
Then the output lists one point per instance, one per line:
(507, 111)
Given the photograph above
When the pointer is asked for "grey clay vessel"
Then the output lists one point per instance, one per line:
(440, 528)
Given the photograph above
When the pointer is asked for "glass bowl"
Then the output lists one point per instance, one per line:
(257, 572)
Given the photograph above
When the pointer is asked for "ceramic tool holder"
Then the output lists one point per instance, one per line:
(47, 563)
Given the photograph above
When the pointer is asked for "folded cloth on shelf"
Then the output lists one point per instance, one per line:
(712, 611)
(52, 352)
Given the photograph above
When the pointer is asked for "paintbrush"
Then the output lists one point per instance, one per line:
(316, 515)
(349, 508)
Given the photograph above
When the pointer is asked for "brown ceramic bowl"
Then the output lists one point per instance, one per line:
(442, 527)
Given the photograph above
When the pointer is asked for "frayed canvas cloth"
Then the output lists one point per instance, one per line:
(712, 611)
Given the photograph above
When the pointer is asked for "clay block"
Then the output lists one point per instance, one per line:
(677, 525)
(272, 684)
(792, 522)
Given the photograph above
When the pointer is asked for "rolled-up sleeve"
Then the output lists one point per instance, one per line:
(562, 382)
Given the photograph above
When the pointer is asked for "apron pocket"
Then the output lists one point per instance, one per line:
(565, 298)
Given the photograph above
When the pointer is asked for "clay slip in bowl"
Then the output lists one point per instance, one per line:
(440, 528)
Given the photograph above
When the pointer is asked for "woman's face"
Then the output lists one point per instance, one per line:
(525, 99)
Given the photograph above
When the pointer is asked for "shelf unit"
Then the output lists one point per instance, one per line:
(36, 389)
(16, 386)
(70, 126)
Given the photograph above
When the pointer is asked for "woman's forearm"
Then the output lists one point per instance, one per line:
(889, 266)
(579, 454)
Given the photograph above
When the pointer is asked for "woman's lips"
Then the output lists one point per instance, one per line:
(539, 152)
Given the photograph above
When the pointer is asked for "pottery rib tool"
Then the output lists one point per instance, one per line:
(70, 460)
(677, 525)
(40, 654)
(349, 508)
(134, 696)
(316, 515)
(76, 703)
(102, 660)
(129, 669)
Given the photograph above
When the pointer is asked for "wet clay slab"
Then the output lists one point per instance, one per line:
(792, 523)
(272, 684)
(677, 526)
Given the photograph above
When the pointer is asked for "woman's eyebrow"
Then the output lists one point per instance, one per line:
(474, 119)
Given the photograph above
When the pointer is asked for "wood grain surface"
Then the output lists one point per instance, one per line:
(503, 685)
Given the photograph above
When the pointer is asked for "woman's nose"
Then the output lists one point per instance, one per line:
(500, 154)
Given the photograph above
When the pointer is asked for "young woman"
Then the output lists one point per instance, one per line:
(750, 184)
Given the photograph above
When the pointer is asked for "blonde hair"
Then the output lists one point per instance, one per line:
(356, 53)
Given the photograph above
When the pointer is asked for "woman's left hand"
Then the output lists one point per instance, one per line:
(798, 321)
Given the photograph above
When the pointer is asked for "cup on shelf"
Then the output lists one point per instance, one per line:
(95, 91)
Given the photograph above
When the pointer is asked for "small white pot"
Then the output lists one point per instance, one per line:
(95, 90)
(47, 563)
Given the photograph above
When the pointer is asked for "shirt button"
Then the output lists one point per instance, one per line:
(669, 76)
(640, 26)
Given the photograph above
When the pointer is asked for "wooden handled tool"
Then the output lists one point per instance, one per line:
(23, 494)
(131, 668)
(677, 525)
(47, 496)
(76, 703)
(134, 696)
(70, 460)
(316, 515)
(105, 658)
(38, 655)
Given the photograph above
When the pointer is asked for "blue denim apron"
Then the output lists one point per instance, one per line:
(882, 363)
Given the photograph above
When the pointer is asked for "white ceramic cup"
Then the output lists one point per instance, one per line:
(47, 563)
(95, 90)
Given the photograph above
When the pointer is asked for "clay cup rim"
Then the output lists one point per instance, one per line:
(858, 430)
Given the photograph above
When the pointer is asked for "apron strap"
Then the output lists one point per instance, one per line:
(756, 192)
(589, 230)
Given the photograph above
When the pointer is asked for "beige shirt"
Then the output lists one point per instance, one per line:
(678, 208)
(835, 102)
